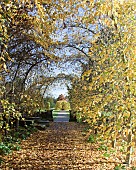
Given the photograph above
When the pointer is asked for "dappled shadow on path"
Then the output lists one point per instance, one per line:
(60, 146)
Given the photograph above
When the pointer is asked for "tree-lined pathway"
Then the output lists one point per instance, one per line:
(61, 146)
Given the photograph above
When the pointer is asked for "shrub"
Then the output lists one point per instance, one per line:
(58, 105)
(47, 106)
(91, 139)
(65, 105)
(62, 105)
(4, 149)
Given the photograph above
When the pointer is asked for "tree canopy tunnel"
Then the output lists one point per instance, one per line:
(98, 37)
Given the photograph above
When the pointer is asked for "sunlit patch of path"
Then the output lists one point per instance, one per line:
(62, 116)
(60, 147)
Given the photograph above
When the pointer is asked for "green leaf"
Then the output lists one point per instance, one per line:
(106, 155)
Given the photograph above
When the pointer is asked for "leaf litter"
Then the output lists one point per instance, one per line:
(62, 146)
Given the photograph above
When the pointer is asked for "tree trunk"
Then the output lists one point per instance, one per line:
(17, 124)
(113, 143)
(129, 145)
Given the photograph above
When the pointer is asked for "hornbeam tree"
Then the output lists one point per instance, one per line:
(26, 28)
(112, 84)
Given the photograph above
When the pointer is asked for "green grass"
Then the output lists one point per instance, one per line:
(55, 113)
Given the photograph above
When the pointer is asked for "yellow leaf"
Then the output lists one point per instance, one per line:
(4, 66)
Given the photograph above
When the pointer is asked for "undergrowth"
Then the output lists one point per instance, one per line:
(13, 140)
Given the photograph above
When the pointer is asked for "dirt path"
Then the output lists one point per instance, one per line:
(61, 146)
